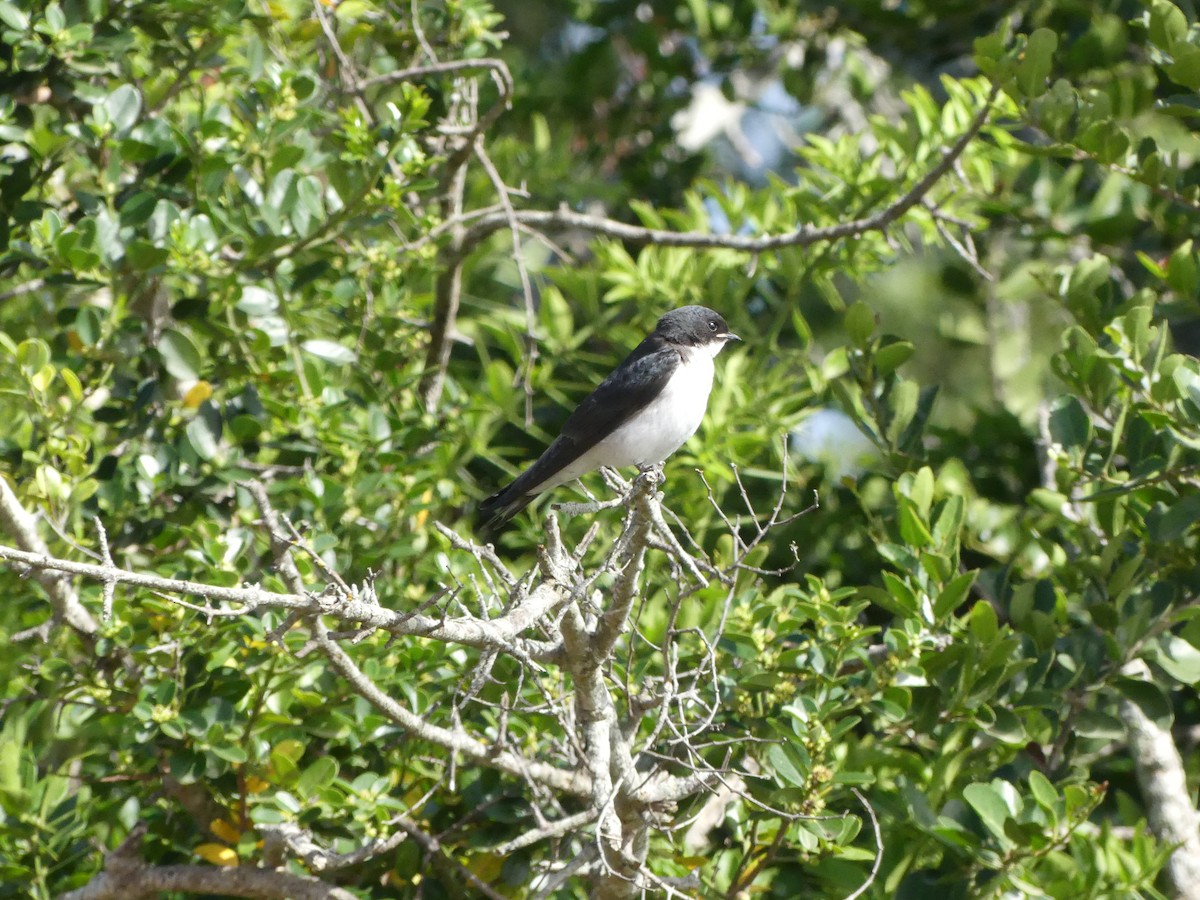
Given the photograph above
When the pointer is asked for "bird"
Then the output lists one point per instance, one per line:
(638, 416)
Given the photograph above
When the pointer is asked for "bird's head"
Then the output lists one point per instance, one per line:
(695, 326)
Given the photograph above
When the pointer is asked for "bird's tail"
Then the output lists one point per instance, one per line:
(498, 509)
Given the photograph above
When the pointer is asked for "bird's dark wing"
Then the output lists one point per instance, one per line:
(628, 390)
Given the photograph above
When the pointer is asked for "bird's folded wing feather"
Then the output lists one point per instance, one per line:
(627, 391)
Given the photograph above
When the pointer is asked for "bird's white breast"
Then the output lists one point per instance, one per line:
(667, 421)
(658, 430)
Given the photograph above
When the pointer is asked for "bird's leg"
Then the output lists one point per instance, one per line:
(656, 473)
(658, 470)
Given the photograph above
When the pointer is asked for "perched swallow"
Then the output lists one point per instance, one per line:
(638, 416)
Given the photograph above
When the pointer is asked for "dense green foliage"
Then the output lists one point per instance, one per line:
(222, 253)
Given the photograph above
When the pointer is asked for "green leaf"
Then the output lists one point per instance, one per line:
(308, 212)
(1070, 424)
(921, 490)
(901, 595)
(12, 739)
(71, 380)
(1034, 68)
(123, 107)
(55, 20)
(1092, 723)
(1185, 68)
(33, 355)
(1149, 697)
(142, 256)
(257, 301)
(1176, 521)
(283, 761)
(860, 324)
(1042, 790)
(230, 753)
(990, 806)
(1007, 727)
(953, 594)
(1182, 274)
(319, 775)
(203, 438)
(905, 400)
(280, 200)
(1178, 658)
(180, 355)
(983, 622)
(329, 351)
(784, 768)
(913, 529)
(13, 16)
(1168, 25)
(1050, 501)
(891, 357)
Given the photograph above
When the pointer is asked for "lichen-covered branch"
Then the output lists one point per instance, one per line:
(1169, 804)
(125, 876)
(501, 633)
(22, 528)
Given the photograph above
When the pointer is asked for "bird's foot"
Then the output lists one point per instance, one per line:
(654, 475)
(656, 468)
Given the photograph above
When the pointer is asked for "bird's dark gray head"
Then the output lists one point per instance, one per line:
(694, 326)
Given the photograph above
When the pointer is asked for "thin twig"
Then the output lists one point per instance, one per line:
(862, 889)
(497, 67)
(106, 559)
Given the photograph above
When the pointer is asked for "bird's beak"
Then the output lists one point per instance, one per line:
(730, 336)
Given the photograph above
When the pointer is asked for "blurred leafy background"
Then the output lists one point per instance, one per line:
(220, 258)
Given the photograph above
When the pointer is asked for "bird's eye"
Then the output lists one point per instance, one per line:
(712, 324)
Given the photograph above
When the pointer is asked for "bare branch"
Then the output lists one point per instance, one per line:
(550, 830)
(633, 544)
(502, 191)
(446, 298)
(64, 600)
(433, 850)
(1163, 780)
(804, 236)
(501, 633)
(862, 889)
(35, 284)
(106, 606)
(279, 543)
(497, 67)
(456, 740)
(126, 876)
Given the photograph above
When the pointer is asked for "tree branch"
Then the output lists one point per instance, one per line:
(804, 236)
(64, 600)
(126, 876)
(497, 67)
(633, 544)
(1161, 776)
(550, 830)
(576, 783)
(499, 634)
(446, 298)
